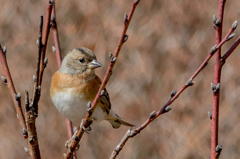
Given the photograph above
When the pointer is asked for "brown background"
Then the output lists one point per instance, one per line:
(167, 41)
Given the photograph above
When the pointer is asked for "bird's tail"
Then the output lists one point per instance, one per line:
(116, 121)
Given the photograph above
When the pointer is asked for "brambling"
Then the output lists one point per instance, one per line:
(75, 84)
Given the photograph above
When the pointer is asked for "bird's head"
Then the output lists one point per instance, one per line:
(79, 60)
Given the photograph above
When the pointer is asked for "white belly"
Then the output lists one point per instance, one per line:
(74, 107)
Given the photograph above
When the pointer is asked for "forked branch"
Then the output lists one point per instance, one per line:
(173, 96)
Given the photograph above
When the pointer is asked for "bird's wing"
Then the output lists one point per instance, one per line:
(104, 100)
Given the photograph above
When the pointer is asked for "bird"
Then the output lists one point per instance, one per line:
(75, 84)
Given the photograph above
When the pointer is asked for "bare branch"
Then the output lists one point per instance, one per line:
(86, 122)
(15, 96)
(173, 96)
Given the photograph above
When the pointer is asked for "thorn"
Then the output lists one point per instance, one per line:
(231, 36)
(210, 115)
(18, 96)
(125, 38)
(234, 25)
(167, 109)
(173, 93)
(152, 115)
(53, 49)
(213, 49)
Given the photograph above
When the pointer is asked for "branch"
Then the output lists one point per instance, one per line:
(16, 97)
(173, 96)
(46, 30)
(57, 50)
(218, 23)
(86, 122)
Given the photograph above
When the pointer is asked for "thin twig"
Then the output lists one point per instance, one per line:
(218, 23)
(46, 30)
(57, 51)
(174, 95)
(86, 122)
(16, 97)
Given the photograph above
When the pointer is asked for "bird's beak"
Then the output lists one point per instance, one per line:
(94, 64)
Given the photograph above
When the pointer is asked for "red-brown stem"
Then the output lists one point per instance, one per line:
(54, 30)
(166, 107)
(217, 81)
(230, 51)
(31, 115)
(13, 92)
(46, 30)
(86, 122)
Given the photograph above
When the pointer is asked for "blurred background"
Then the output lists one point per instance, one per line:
(167, 41)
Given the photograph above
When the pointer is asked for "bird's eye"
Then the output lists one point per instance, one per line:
(82, 60)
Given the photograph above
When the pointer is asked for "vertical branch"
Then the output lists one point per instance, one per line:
(46, 30)
(57, 50)
(86, 122)
(31, 109)
(31, 115)
(218, 24)
(16, 97)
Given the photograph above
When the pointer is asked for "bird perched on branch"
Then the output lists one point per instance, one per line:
(75, 84)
